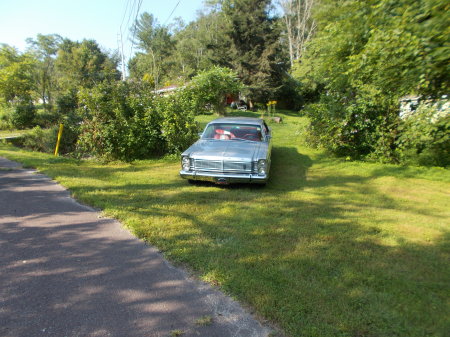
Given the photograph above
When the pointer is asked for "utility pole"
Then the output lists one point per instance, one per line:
(123, 58)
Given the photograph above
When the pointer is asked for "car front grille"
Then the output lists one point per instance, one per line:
(208, 165)
(222, 166)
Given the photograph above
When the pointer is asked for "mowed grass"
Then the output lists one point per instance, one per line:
(327, 248)
(13, 133)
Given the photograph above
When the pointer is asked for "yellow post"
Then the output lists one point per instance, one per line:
(61, 127)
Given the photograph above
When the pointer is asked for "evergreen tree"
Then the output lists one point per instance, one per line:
(254, 46)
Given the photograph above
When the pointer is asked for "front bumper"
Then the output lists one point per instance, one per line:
(221, 178)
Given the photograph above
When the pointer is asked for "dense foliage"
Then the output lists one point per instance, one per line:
(346, 64)
(16, 87)
(424, 138)
(210, 87)
(254, 49)
(126, 122)
(239, 34)
(49, 75)
(364, 58)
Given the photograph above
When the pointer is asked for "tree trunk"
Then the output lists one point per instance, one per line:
(300, 27)
(220, 108)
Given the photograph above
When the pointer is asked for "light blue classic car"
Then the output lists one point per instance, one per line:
(230, 150)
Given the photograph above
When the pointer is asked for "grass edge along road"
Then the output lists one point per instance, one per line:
(327, 248)
(13, 133)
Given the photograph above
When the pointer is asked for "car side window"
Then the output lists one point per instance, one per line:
(209, 132)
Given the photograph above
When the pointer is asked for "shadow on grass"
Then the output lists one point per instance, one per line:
(288, 172)
(431, 173)
(311, 266)
(303, 250)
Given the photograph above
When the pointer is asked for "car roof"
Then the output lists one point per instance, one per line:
(240, 120)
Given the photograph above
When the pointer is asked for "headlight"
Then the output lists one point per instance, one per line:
(185, 163)
(262, 166)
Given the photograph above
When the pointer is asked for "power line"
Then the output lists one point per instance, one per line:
(173, 10)
(129, 9)
(124, 14)
(136, 4)
(130, 15)
(135, 24)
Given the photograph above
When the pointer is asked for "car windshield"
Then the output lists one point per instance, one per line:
(228, 131)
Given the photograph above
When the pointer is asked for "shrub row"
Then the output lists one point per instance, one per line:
(120, 121)
(126, 121)
(365, 130)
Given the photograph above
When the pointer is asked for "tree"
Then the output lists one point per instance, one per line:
(44, 48)
(200, 45)
(365, 56)
(125, 121)
(254, 46)
(211, 86)
(16, 75)
(300, 26)
(156, 44)
(16, 85)
(212, 31)
(187, 53)
(84, 64)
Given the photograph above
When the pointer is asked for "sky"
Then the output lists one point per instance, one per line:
(85, 19)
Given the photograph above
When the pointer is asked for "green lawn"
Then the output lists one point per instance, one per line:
(327, 248)
(13, 133)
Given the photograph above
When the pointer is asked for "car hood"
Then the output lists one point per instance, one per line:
(227, 150)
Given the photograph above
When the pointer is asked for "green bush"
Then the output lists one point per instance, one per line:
(109, 127)
(259, 107)
(425, 138)
(290, 95)
(209, 88)
(71, 133)
(364, 57)
(62, 112)
(126, 121)
(178, 126)
(67, 102)
(42, 140)
(46, 119)
(23, 114)
(352, 129)
(5, 119)
(20, 115)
